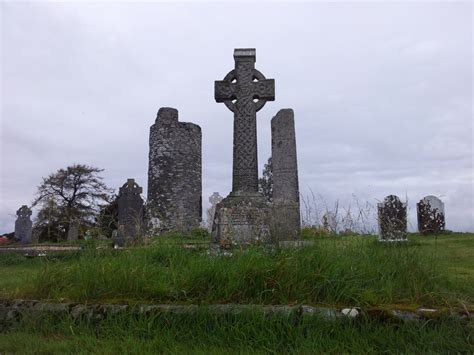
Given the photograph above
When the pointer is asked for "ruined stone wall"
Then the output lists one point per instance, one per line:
(174, 173)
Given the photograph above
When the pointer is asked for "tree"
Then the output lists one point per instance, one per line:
(71, 195)
(50, 223)
(107, 220)
(265, 183)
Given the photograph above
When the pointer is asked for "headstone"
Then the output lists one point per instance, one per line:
(329, 222)
(214, 199)
(392, 218)
(130, 212)
(430, 213)
(174, 200)
(23, 225)
(242, 218)
(73, 232)
(286, 222)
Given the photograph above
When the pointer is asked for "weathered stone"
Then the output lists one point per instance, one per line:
(350, 312)
(130, 212)
(392, 218)
(325, 313)
(286, 222)
(241, 221)
(329, 222)
(23, 225)
(214, 199)
(430, 213)
(73, 232)
(243, 217)
(245, 91)
(174, 174)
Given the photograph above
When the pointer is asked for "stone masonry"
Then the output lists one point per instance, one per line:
(242, 218)
(286, 222)
(23, 225)
(174, 174)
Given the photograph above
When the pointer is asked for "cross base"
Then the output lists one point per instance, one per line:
(241, 220)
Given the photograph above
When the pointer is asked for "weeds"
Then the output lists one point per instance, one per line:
(249, 332)
(337, 271)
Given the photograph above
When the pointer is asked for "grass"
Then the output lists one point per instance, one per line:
(427, 271)
(251, 333)
(342, 271)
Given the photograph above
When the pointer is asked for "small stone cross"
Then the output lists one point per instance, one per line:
(23, 212)
(130, 188)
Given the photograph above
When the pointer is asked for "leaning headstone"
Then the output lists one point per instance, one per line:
(174, 200)
(392, 218)
(73, 232)
(130, 212)
(286, 223)
(23, 225)
(242, 218)
(430, 213)
(214, 199)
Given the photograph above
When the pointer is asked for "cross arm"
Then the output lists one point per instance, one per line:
(264, 89)
(223, 91)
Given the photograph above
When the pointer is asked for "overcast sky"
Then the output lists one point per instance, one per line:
(382, 93)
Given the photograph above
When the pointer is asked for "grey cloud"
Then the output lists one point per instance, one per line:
(382, 92)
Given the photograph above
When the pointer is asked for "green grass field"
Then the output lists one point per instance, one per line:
(428, 271)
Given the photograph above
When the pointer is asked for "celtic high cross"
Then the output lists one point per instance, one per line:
(245, 91)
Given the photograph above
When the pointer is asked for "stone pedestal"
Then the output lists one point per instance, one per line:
(241, 220)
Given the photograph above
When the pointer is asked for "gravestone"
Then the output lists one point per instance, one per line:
(174, 200)
(130, 212)
(329, 222)
(23, 225)
(73, 232)
(242, 218)
(430, 213)
(392, 218)
(214, 199)
(286, 223)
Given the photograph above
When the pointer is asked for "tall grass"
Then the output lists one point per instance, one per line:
(250, 332)
(347, 271)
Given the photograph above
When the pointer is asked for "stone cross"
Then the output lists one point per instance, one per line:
(130, 189)
(130, 211)
(245, 91)
(214, 199)
(23, 225)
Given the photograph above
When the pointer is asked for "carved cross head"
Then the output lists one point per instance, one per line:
(23, 212)
(244, 86)
(130, 188)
